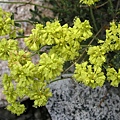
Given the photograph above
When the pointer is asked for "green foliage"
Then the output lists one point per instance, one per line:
(64, 10)
(37, 16)
(67, 10)
(115, 60)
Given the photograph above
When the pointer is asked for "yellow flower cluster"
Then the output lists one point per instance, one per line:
(114, 76)
(89, 75)
(65, 41)
(6, 46)
(97, 57)
(89, 2)
(50, 66)
(6, 24)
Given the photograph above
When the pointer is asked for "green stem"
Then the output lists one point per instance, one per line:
(99, 6)
(23, 21)
(110, 3)
(117, 6)
(21, 37)
(62, 77)
(59, 80)
(84, 45)
(111, 7)
(93, 19)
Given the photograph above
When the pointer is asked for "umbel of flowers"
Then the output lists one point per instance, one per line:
(27, 79)
(92, 74)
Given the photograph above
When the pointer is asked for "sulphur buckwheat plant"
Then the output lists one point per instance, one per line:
(57, 45)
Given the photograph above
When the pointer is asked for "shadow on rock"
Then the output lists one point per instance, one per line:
(31, 113)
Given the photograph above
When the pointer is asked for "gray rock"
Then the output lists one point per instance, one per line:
(73, 101)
